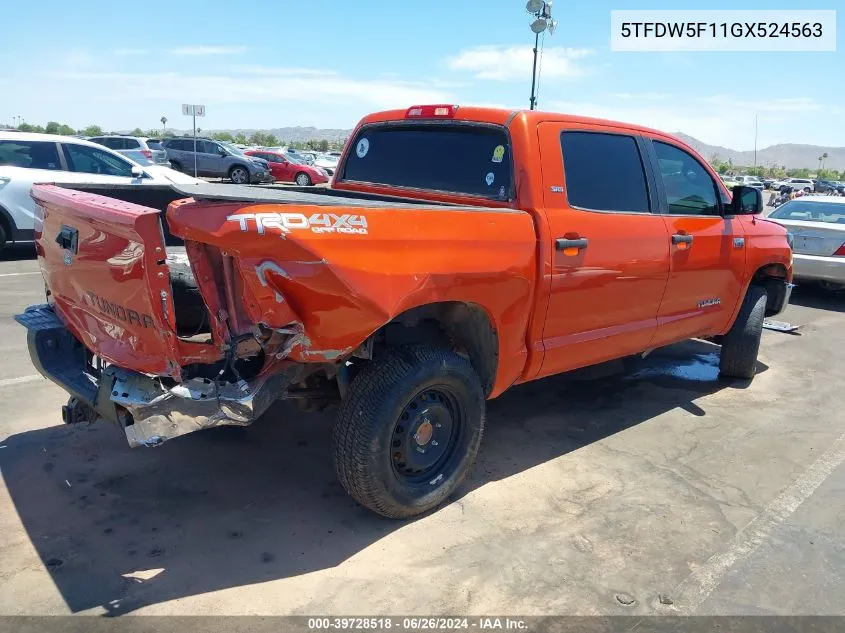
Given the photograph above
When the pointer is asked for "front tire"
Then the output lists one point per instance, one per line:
(302, 179)
(741, 344)
(239, 175)
(409, 430)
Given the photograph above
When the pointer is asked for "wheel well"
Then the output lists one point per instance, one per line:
(771, 277)
(6, 224)
(236, 165)
(464, 327)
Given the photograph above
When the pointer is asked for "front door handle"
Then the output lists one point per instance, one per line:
(563, 244)
(680, 238)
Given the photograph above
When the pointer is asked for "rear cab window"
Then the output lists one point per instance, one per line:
(460, 158)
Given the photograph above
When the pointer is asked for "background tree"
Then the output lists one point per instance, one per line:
(240, 139)
(92, 130)
(28, 127)
(163, 125)
(323, 146)
(223, 136)
(137, 132)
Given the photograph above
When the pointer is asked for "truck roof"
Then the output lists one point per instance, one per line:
(502, 116)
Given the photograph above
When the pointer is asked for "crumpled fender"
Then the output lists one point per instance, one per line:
(340, 273)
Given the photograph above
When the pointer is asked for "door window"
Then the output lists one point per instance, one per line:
(604, 172)
(689, 188)
(32, 154)
(207, 147)
(90, 160)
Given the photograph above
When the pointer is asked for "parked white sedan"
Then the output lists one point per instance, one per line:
(27, 158)
(817, 227)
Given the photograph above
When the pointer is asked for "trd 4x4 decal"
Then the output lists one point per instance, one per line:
(287, 222)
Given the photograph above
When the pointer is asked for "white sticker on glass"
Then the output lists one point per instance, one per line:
(362, 148)
(490, 179)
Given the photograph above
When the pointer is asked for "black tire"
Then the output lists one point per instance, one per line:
(412, 384)
(239, 175)
(302, 179)
(806, 190)
(191, 312)
(175, 164)
(2, 237)
(742, 342)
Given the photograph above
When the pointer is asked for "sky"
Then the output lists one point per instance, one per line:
(279, 63)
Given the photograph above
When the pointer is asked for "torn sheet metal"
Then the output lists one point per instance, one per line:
(160, 413)
(780, 326)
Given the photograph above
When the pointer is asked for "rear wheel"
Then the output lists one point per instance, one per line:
(239, 175)
(2, 237)
(303, 179)
(409, 430)
(806, 190)
(742, 342)
(175, 165)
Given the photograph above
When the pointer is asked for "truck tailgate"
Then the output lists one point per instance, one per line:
(103, 262)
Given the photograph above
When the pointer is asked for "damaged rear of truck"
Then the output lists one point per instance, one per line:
(205, 305)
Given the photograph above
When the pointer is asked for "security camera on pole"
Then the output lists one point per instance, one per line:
(194, 111)
(542, 12)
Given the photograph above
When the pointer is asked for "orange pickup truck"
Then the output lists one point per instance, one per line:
(458, 252)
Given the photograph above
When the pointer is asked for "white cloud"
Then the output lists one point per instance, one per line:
(255, 88)
(507, 63)
(716, 120)
(205, 51)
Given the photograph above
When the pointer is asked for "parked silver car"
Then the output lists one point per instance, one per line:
(817, 227)
(144, 151)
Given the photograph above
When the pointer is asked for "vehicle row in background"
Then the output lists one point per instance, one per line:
(216, 159)
(27, 158)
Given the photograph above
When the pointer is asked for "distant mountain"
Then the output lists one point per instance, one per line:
(791, 155)
(295, 134)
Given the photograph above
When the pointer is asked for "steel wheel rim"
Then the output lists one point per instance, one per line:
(425, 435)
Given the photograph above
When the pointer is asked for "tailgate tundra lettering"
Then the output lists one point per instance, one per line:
(285, 222)
(118, 311)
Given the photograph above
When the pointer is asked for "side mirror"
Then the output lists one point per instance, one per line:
(137, 172)
(746, 201)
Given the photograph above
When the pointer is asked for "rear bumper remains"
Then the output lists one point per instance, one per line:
(149, 411)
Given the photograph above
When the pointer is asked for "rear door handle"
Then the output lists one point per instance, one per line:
(562, 244)
(680, 238)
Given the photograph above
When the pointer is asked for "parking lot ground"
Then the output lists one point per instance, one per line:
(588, 497)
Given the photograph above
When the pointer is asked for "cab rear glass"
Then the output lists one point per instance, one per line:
(465, 159)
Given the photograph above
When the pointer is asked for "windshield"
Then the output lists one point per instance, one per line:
(232, 149)
(811, 211)
(450, 157)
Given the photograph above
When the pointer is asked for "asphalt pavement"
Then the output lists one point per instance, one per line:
(661, 490)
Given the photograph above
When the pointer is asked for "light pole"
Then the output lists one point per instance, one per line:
(542, 12)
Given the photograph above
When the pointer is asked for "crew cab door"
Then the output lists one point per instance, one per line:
(609, 251)
(707, 259)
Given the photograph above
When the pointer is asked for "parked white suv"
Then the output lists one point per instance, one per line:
(797, 184)
(27, 158)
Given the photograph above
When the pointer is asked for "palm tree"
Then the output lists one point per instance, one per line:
(821, 158)
(163, 124)
(824, 158)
